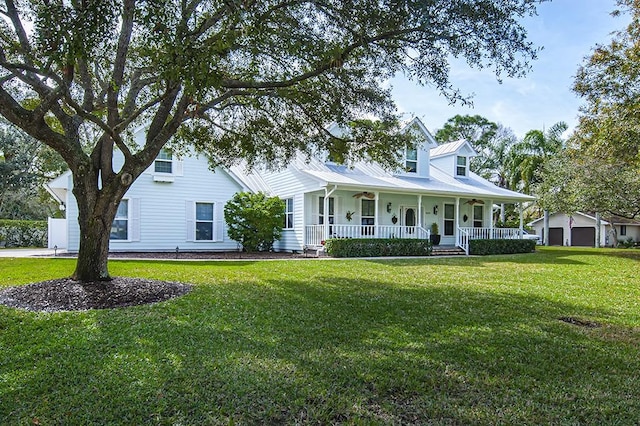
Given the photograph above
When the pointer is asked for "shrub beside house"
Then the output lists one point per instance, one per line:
(23, 233)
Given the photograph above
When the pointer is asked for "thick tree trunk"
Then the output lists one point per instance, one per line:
(94, 250)
(96, 210)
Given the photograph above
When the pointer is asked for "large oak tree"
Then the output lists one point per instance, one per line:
(248, 79)
(609, 83)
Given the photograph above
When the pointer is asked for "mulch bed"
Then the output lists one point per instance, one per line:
(66, 294)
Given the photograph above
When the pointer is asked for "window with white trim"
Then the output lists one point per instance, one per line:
(449, 219)
(623, 230)
(204, 221)
(164, 162)
(288, 213)
(411, 159)
(461, 166)
(330, 214)
(120, 224)
(368, 216)
(478, 216)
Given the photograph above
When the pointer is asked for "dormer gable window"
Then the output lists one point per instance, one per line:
(166, 167)
(164, 162)
(411, 159)
(461, 166)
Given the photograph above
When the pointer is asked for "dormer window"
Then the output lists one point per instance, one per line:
(164, 162)
(461, 166)
(411, 159)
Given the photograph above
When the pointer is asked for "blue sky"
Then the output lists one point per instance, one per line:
(567, 29)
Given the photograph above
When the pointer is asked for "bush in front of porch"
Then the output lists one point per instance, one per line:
(373, 247)
(486, 247)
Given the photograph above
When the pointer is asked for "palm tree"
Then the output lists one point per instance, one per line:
(528, 155)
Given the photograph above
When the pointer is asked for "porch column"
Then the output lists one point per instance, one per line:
(327, 194)
(377, 213)
(420, 211)
(502, 213)
(545, 231)
(457, 221)
(521, 220)
(598, 223)
(490, 219)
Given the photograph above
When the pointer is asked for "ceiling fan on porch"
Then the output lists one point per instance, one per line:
(369, 195)
(474, 201)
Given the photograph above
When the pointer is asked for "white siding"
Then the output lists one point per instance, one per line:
(559, 220)
(162, 216)
(291, 184)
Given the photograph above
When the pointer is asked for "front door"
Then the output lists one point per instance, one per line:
(408, 219)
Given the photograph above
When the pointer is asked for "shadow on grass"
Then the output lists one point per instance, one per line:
(321, 350)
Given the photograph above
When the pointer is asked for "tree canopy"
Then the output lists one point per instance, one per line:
(257, 80)
(600, 169)
(25, 164)
(609, 82)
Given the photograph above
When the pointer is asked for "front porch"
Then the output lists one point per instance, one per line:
(335, 213)
(315, 235)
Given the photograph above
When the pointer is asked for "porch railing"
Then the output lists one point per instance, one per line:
(463, 238)
(315, 234)
(467, 233)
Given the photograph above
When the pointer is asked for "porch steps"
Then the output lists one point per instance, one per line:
(447, 251)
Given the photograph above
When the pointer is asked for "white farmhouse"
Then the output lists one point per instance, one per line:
(179, 202)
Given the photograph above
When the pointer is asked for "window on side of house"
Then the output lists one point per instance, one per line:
(368, 216)
(411, 159)
(204, 221)
(164, 162)
(330, 214)
(120, 225)
(478, 215)
(288, 213)
(449, 219)
(623, 230)
(461, 166)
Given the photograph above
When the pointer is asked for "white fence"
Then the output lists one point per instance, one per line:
(465, 234)
(57, 233)
(315, 234)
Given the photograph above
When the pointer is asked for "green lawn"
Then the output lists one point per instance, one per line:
(442, 341)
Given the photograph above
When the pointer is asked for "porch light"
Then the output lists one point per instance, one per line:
(388, 207)
(435, 209)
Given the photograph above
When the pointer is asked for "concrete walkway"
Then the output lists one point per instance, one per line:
(29, 252)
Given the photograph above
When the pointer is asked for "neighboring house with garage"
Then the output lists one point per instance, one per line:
(179, 202)
(579, 229)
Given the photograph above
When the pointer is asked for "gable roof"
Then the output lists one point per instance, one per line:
(417, 123)
(249, 179)
(372, 176)
(58, 187)
(452, 148)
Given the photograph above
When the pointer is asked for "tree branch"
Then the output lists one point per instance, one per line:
(113, 113)
(25, 46)
(334, 62)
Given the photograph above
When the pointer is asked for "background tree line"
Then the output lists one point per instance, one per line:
(596, 168)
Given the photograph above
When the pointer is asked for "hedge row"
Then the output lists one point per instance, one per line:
(23, 233)
(484, 247)
(371, 247)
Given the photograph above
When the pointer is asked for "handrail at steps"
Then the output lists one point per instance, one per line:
(463, 240)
